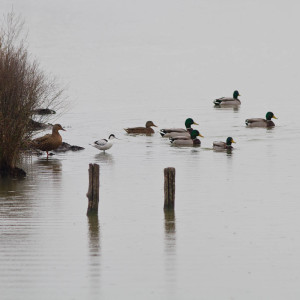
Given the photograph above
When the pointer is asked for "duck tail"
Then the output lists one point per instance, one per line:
(162, 132)
(217, 101)
(247, 122)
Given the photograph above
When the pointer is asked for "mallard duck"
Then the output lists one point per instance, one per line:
(228, 100)
(259, 122)
(187, 141)
(49, 142)
(223, 145)
(104, 144)
(173, 132)
(142, 130)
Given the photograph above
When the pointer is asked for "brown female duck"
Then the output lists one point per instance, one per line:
(49, 142)
(142, 130)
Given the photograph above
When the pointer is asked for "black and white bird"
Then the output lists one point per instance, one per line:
(104, 144)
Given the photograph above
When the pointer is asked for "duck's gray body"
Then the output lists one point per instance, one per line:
(176, 134)
(228, 101)
(221, 146)
(186, 142)
(259, 122)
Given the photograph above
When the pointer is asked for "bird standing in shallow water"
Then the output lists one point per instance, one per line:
(104, 144)
(142, 130)
(223, 145)
(49, 142)
(260, 122)
(228, 101)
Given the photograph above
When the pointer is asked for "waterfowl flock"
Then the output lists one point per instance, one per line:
(177, 136)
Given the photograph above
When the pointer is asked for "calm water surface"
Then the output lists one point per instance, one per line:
(235, 230)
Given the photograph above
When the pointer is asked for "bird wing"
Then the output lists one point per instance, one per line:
(254, 120)
(42, 139)
(219, 144)
(102, 142)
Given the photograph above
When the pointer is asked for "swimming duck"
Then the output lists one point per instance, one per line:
(173, 132)
(259, 122)
(228, 100)
(223, 145)
(49, 142)
(187, 141)
(142, 130)
(104, 144)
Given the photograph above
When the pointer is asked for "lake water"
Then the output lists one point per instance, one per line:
(235, 230)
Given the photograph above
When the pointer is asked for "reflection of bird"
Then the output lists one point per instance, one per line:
(173, 132)
(187, 141)
(228, 100)
(223, 145)
(259, 122)
(49, 142)
(142, 130)
(104, 144)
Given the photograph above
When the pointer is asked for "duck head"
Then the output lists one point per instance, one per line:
(229, 141)
(57, 127)
(149, 124)
(195, 133)
(236, 94)
(270, 115)
(189, 122)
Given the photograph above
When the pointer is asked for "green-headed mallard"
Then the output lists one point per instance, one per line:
(142, 130)
(187, 141)
(259, 122)
(49, 142)
(228, 101)
(173, 132)
(223, 145)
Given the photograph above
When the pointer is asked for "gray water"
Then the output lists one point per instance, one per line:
(235, 230)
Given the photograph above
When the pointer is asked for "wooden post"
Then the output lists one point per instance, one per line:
(169, 174)
(93, 191)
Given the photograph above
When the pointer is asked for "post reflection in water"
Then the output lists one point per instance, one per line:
(94, 250)
(170, 231)
(170, 250)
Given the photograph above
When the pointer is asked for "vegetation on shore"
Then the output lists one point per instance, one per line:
(24, 88)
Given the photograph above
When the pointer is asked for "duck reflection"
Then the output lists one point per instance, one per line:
(53, 165)
(170, 230)
(235, 108)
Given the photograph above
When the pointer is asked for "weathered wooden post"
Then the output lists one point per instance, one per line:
(169, 174)
(93, 191)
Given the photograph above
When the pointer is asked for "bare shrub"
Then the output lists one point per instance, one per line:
(24, 87)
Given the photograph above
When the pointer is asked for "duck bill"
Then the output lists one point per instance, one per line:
(201, 135)
(195, 123)
(232, 141)
(154, 125)
(274, 117)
